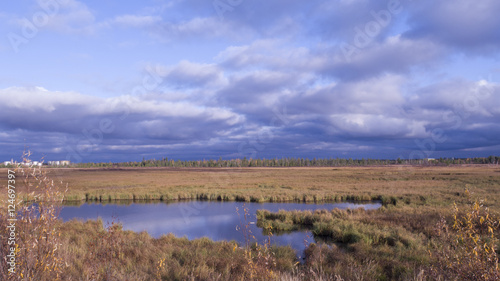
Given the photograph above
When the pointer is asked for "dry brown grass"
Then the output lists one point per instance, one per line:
(421, 196)
(411, 185)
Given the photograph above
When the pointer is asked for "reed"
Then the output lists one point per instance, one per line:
(429, 228)
(401, 185)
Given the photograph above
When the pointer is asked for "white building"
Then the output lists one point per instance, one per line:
(59, 163)
(27, 164)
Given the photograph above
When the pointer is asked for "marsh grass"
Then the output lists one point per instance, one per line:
(261, 259)
(364, 242)
(96, 252)
(395, 185)
(396, 244)
(417, 235)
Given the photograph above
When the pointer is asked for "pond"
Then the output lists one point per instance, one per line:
(195, 219)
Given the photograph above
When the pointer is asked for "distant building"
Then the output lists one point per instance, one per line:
(430, 159)
(59, 163)
(27, 164)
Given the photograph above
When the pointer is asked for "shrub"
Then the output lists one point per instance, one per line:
(470, 249)
(37, 241)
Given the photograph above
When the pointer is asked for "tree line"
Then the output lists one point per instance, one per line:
(284, 162)
(290, 162)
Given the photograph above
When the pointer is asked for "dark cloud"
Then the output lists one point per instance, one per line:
(255, 88)
(105, 122)
(394, 55)
(470, 26)
(289, 78)
(353, 117)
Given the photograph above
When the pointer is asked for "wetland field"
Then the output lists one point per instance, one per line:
(431, 223)
(420, 185)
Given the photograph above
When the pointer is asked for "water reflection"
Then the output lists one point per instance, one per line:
(195, 219)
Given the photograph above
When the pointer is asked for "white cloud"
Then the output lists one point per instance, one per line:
(200, 28)
(190, 74)
(135, 20)
(75, 17)
(465, 97)
(377, 126)
(72, 17)
(268, 55)
(334, 146)
(31, 102)
(39, 98)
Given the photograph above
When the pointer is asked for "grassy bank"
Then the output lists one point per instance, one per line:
(110, 253)
(399, 243)
(419, 234)
(394, 242)
(387, 244)
(394, 184)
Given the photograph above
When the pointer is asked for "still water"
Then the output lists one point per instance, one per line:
(195, 219)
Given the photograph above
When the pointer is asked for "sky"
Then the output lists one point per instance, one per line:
(108, 80)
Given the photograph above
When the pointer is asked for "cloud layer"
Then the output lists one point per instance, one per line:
(262, 79)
